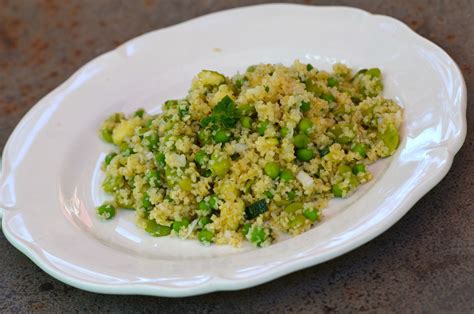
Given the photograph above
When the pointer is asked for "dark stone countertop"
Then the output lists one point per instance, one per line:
(424, 263)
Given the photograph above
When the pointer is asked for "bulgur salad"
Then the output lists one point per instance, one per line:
(248, 157)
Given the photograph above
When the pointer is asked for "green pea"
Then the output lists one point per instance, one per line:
(146, 203)
(213, 202)
(221, 136)
(179, 224)
(153, 177)
(337, 190)
(126, 150)
(284, 131)
(160, 160)
(359, 168)
(262, 126)
(106, 135)
(305, 125)
(201, 157)
(157, 230)
(185, 184)
(332, 81)
(258, 236)
(220, 165)
(272, 169)
(305, 106)
(309, 67)
(287, 175)
(246, 122)
(300, 140)
(245, 229)
(204, 220)
(304, 154)
(359, 148)
(297, 221)
(204, 206)
(109, 158)
(205, 236)
(343, 132)
(328, 97)
(293, 207)
(106, 211)
(311, 213)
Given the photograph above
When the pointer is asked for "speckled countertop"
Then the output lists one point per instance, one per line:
(425, 263)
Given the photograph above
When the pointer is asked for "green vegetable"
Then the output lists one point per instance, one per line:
(284, 132)
(245, 229)
(224, 114)
(205, 236)
(220, 165)
(251, 68)
(146, 203)
(160, 160)
(204, 136)
(112, 183)
(300, 140)
(262, 126)
(106, 135)
(177, 225)
(139, 113)
(211, 78)
(312, 87)
(343, 132)
(109, 158)
(359, 148)
(268, 194)
(293, 207)
(157, 230)
(337, 190)
(221, 136)
(311, 214)
(332, 81)
(304, 154)
(246, 122)
(358, 168)
(328, 97)
(297, 221)
(255, 209)
(309, 67)
(305, 106)
(391, 138)
(153, 177)
(374, 72)
(286, 175)
(291, 195)
(106, 211)
(305, 125)
(272, 169)
(151, 141)
(258, 236)
(213, 202)
(203, 221)
(201, 157)
(323, 152)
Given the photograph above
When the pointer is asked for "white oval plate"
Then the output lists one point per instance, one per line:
(49, 186)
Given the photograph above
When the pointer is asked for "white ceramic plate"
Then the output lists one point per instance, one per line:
(50, 182)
